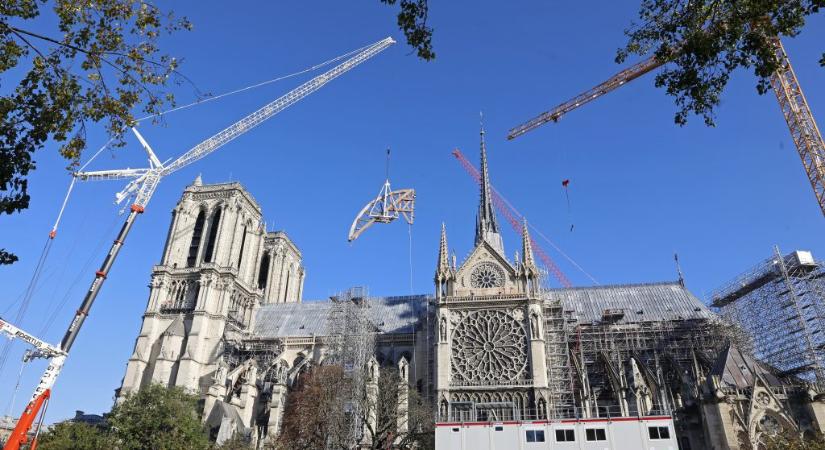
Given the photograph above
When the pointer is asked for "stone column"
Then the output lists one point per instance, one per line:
(403, 407)
(371, 406)
(538, 360)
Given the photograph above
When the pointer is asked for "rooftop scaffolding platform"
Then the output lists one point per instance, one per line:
(780, 304)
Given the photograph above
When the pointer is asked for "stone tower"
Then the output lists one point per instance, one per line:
(218, 265)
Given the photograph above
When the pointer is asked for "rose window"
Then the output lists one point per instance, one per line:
(489, 347)
(487, 275)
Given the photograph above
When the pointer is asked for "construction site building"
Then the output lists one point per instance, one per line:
(505, 362)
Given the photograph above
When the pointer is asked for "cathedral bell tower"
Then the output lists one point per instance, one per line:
(218, 265)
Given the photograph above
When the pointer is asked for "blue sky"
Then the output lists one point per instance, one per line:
(641, 188)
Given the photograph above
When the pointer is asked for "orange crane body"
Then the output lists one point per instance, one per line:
(804, 131)
(500, 204)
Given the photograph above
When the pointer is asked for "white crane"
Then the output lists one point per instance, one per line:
(143, 185)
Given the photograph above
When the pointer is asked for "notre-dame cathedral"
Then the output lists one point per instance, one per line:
(501, 358)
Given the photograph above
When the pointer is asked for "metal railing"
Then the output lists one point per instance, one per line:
(491, 413)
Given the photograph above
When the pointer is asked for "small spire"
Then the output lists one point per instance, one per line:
(527, 248)
(198, 181)
(443, 259)
(679, 270)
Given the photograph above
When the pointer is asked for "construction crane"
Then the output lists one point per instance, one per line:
(800, 120)
(501, 205)
(140, 189)
(42, 349)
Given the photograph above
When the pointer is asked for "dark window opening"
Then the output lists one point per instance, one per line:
(197, 233)
(286, 289)
(659, 432)
(568, 435)
(499, 428)
(535, 435)
(243, 241)
(263, 275)
(213, 233)
(595, 434)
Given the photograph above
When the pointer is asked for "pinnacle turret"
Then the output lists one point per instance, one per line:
(443, 256)
(527, 249)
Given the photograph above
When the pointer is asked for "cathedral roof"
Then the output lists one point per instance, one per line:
(632, 302)
(387, 314)
(739, 370)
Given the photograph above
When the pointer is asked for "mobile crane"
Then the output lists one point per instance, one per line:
(140, 189)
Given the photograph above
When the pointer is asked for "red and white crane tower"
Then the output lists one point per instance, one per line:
(140, 190)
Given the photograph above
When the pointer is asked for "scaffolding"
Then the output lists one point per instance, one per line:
(780, 304)
(557, 355)
(351, 343)
(609, 358)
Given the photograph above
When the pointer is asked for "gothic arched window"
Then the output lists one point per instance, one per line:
(243, 241)
(263, 275)
(213, 233)
(197, 233)
(286, 289)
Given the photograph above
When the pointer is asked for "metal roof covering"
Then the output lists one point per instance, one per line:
(623, 303)
(739, 370)
(638, 302)
(387, 314)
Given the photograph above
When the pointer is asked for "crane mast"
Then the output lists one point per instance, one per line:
(501, 205)
(801, 123)
(143, 185)
(804, 131)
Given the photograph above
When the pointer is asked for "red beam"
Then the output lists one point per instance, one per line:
(514, 219)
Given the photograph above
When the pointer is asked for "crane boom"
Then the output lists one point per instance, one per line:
(804, 131)
(616, 81)
(142, 186)
(43, 348)
(501, 205)
(256, 118)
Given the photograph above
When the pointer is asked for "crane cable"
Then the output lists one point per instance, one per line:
(253, 86)
(41, 263)
(518, 214)
(16, 387)
(53, 232)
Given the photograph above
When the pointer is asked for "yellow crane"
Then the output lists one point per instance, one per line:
(804, 131)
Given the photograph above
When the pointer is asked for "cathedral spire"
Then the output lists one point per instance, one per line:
(486, 224)
(443, 256)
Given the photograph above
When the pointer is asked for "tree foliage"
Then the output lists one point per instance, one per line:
(791, 441)
(99, 63)
(314, 415)
(159, 418)
(71, 435)
(706, 40)
(318, 414)
(412, 20)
